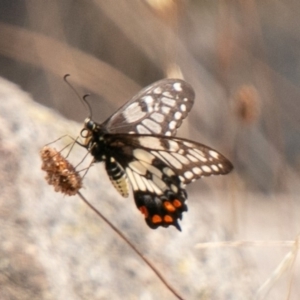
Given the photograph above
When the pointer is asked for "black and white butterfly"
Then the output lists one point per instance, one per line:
(138, 146)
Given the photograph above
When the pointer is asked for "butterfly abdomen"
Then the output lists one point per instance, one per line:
(117, 176)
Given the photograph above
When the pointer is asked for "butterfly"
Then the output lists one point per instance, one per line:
(138, 146)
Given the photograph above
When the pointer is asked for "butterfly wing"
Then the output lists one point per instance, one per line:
(158, 109)
(137, 143)
(158, 167)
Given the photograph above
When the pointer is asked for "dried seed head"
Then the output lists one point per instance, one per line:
(247, 105)
(60, 173)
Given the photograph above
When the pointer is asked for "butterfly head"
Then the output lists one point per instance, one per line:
(89, 127)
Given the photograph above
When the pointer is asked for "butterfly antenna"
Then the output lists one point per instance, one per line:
(82, 99)
(87, 104)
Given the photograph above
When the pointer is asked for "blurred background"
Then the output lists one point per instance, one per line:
(243, 60)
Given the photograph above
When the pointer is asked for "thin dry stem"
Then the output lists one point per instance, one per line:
(124, 238)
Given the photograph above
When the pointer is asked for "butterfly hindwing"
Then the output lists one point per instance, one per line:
(158, 109)
(158, 167)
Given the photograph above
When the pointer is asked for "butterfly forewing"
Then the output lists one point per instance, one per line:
(188, 160)
(157, 109)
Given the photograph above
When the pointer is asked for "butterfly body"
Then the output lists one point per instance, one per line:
(138, 146)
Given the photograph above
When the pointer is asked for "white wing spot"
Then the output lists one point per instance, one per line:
(215, 168)
(150, 109)
(167, 94)
(172, 125)
(183, 107)
(156, 106)
(200, 152)
(174, 188)
(158, 90)
(133, 113)
(221, 166)
(206, 169)
(192, 158)
(171, 160)
(214, 154)
(173, 146)
(143, 155)
(169, 172)
(197, 171)
(178, 115)
(148, 185)
(137, 167)
(150, 142)
(181, 158)
(168, 101)
(165, 110)
(177, 87)
(131, 179)
(197, 155)
(152, 169)
(152, 125)
(148, 99)
(157, 117)
(181, 178)
(139, 181)
(156, 189)
(142, 129)
(168, 133)
(159, 157)
(189, 144)
(159, 183)
(188, 175)
(185, 99)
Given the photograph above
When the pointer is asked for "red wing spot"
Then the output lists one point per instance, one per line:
(169, 206)
(144, 211)
(177, 203)
(168, 219)
(156, 219)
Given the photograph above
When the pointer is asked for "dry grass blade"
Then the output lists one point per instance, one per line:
(287, 263)
(281, 268)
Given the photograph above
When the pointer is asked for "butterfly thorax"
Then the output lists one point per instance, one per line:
(96, 143)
